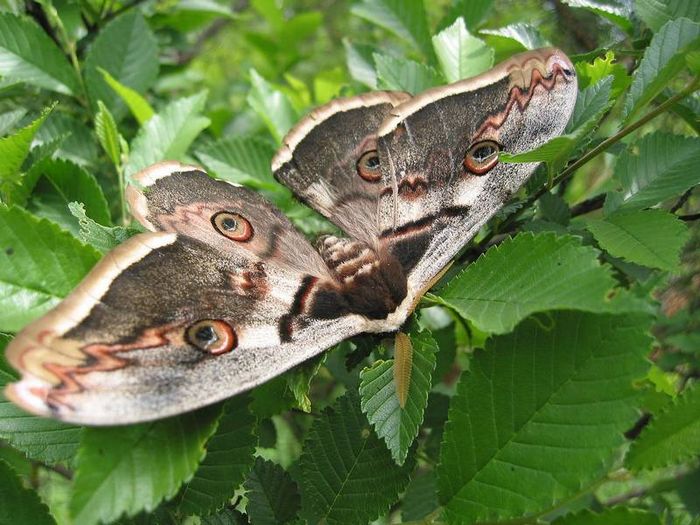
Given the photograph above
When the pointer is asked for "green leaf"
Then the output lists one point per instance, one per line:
(554, 209)
(402, 74)
(591, 73)
(127, 49)
(40, 438)
(108, 134)
(39, 265)
(651, 238)
(74, 140)
(243, 160)
(139, 106)
(615, 516)
(229, 457)
(591, 103)
(13, 152)
(9, 119)
(617, 11)
(662, 60)
(540, 415)
(347, 474)
(655, 13)
(272, 106)
(398, 426)
(405, 18)
(525, 35)
(528, 274)
(360, 64)
(662, 167)
(20, 506)
(223, 517)
(27, 54)
(472, 11)
(100, 237)
(299, 381)
(123, 470)
(167, 135)
(272, 495)
(420, 498)
(61, 182)
(460, 54)
(672, 436)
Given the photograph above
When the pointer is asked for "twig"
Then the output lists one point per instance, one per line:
(589, 205)
(684, 198)
(58, 469)
(209, 33)
(691, 217)
(603, 146)
(600, 148)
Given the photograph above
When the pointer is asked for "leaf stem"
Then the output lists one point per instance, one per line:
(600, 148)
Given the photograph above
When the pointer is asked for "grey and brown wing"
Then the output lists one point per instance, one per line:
(174, 197)
(439, 155)
(165, 324)
(329, 160)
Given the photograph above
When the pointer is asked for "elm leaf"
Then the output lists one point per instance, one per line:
(662, 60)
(672, 436)
(528, 274)
(168, 134)
(40, 264)
(127, 49)
(402, 74)
(651, 238)
(347, 474)
(271, 105)
(139, 106)
(127, 469)
(272, 495)
(396, 425)
(28, 54)
(229, 457)
(14, 150)
(108, 134)
(460, 54)
(662, 167)
(242, 160)
(18, 505)
(531, 425)
(405, 18)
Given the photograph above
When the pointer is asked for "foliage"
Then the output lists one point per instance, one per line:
(548, 376)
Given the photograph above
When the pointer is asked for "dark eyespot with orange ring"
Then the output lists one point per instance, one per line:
(232, 225)
(368, 166)
(481, 157)
(212, 336)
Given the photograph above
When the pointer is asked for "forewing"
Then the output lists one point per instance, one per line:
(319, 160)
(433, 199)
(174, 197)
(128, 344)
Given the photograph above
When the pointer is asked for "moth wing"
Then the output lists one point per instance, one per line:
(174, 197)
(329, 160)
(440, 186)
(162, 325)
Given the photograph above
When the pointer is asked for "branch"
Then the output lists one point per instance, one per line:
(691, 217)
(684, 198)
(589, 205)
(603, 146)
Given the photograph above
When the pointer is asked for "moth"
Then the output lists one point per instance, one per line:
(222, 293)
